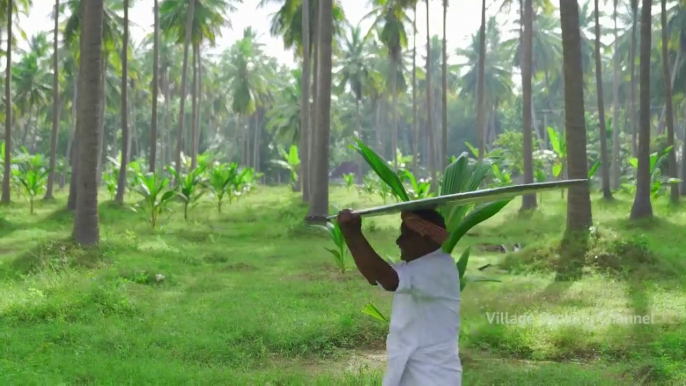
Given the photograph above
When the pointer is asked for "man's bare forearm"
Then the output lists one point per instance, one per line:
(371, 265)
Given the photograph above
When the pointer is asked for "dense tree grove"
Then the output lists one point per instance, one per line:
(165, 103)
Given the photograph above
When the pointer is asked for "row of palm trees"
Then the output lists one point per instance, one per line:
(193, 25)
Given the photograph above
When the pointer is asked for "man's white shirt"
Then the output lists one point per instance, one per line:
(422, 345)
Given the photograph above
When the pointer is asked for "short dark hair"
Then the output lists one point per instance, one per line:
(431, 215)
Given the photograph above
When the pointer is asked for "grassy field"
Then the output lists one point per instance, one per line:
(251, 297)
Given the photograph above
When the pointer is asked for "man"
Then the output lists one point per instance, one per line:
(422, 345)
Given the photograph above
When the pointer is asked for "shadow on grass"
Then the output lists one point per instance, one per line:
(55, 255)
(6, 227)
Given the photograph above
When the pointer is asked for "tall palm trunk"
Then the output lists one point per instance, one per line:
(683, 158)
(480, 119)
(528, 201)
(152, 158)
(256, 142)
(669, 118)
(72, 133)
(55, 106)
(304, 99)
(196, 138)
(394, 86)
(415, 124)
(632, 82)
(75, 158)
(184, 70)
(101, 144)
(444, 99)
(194, 101)
(642, 206)
(125, 140)
(86, 230)
(8, 110)
(615, 105)
(319, 207)
(578, 199)
(311, 137)
(429, 123)
(604, 164)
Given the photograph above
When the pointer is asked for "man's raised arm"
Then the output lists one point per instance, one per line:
(371, 265)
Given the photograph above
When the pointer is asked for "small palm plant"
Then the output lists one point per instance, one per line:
(291, 162)
(339, 254)
(110, 179)
(189, 187)
(349, 181)
(33, 181)
(222, 178)
(31, 176)
(156, 195)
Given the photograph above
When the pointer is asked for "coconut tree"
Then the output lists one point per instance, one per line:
(55, 103)
(152, 158)
(319, 206)
(171, 17)
(354, 71)
(604, 164)
(246, 82)
(578, 200)
(669, 117)
(528, 201)
(481, 86)
(86, 230)
(429, 123)
(642, 207)
(615, 102)
(444, 88)
(7, 174)
(125, 141)
(389, 24)
(632, 84)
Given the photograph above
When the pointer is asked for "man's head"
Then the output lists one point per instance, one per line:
(421, 232)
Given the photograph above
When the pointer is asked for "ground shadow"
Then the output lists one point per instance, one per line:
(6, 227)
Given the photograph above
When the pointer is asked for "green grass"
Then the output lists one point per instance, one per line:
(251, 297)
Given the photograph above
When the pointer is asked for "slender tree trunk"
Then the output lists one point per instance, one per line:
(319, 207)
(194, 115)
(669, 118)
(125, 140)
(167, 157)
(672, 77)
(313, 128)
(415, 124)
(256, 142)
(184, 70)
(152, 157)
(377, 125)
(75, 158)
(101, 145)
(480, 83)
(632, 90)
(305, 100)
(444, 99)
(196, 138)
(55, 105)
(86, 230)
(642, 207)
(429, 123)
(604, 160)
(394, 136)
(579, 217)
(528, 201)
(7, 174)
(615, 105)
(683, 158)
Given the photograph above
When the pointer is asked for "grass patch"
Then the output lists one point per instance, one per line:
(252, 295)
